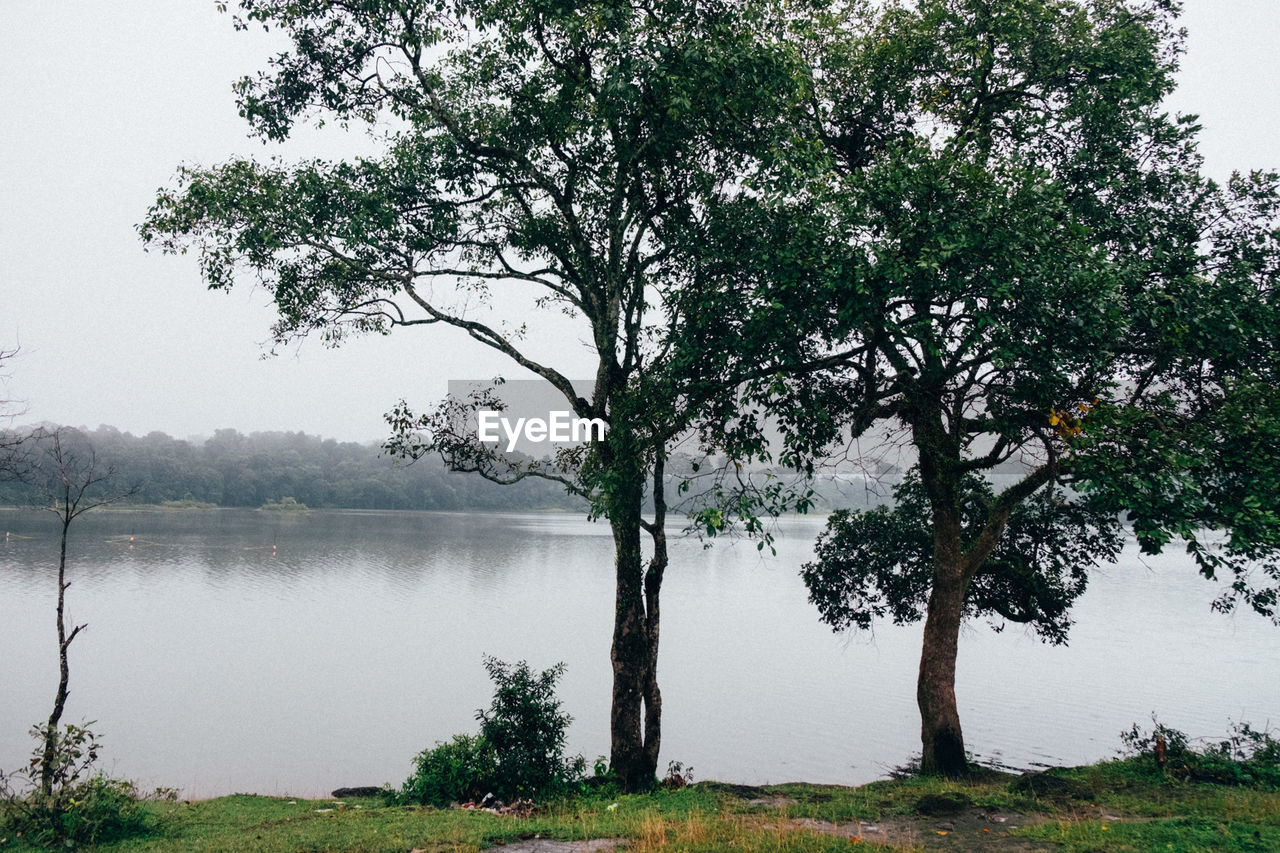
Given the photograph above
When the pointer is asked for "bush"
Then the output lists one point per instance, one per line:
(519, 753)
(82, 807)
(459, 770)
(1245, 757)
(526, 728)
(1162, 744)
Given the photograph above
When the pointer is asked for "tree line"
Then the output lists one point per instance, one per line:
(234, 469)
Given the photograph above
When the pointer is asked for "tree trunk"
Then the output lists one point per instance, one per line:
(954, 566)
(636, 719)
(941, 739)
(652, 592)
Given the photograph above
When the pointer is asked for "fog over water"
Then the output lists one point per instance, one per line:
(104, 100)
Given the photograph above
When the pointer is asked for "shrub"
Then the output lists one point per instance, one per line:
(1162, 744)
(459, 770)
(519, 753)
(678, 776)
(81, 807)
(1245, 757)
(526, 729)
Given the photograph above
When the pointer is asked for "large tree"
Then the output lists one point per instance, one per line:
(1003, 256)
(537, 150)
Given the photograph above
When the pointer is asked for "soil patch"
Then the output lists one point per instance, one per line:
(942, 805)
(742, 792)
(1049, 784)
(971, 830)
(547, 845)
(772, 802)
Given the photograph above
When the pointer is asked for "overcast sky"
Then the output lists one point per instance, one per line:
(99, 103)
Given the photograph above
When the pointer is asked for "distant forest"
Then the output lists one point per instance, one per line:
(232, 469)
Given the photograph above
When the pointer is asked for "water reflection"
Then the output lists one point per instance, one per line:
(239, 650)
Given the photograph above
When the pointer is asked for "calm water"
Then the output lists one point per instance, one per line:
(218, 663)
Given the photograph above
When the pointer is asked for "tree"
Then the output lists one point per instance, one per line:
(525, 727)
(67, 472)
(543, 150)
(1002, 250)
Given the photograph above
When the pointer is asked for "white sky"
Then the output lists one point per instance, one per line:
(101, 101)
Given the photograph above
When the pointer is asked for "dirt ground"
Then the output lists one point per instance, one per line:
(546, 845)
(971, 831)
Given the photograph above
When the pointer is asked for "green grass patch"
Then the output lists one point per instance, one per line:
(1130, 787)
(1112, 806)
(689, 819)
(1181, 835)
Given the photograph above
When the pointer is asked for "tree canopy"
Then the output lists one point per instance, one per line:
(879, 563)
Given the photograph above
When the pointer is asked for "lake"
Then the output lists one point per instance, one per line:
(273, 653)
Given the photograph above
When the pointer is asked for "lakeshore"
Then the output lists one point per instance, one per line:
(1111, 806)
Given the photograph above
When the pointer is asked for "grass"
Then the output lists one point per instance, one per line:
(1157, 812)
(1182, 835)
(1111, 806)
(692, 819)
